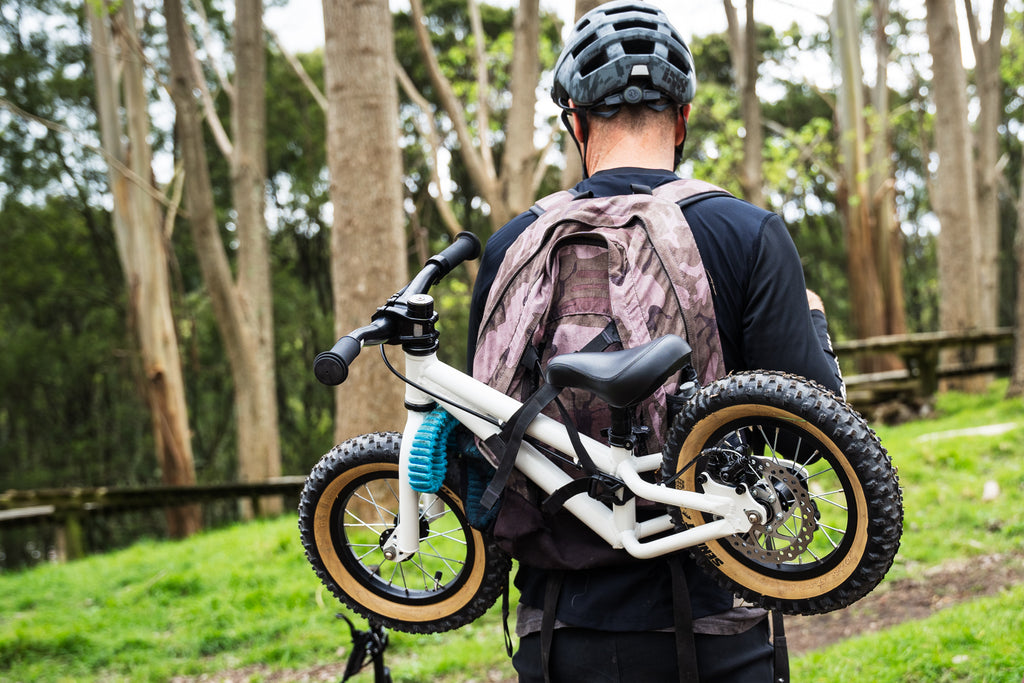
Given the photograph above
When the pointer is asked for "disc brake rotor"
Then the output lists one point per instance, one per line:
(791, 520)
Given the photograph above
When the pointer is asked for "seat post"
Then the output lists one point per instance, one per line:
(621, 432)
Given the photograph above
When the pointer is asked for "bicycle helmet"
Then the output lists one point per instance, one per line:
(619, 53)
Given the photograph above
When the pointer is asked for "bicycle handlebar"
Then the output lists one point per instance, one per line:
(331, 367)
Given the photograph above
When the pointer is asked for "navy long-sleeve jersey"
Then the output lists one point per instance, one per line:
(764, 323)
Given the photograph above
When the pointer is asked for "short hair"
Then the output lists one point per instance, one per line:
(634, 117)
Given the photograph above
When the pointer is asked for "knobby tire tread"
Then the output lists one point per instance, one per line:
(383, 448)
(843, 426)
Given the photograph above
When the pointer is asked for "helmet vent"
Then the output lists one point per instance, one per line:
(590, 67)
(629, 8)
(677, 60)
(583, 46)
(638, 47)
(635, 23)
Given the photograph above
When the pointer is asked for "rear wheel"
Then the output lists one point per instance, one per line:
(828, 488)
(349, 508)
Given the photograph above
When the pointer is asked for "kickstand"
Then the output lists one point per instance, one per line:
(367, 646)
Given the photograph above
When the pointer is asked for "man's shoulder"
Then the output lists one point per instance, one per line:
(728, 217)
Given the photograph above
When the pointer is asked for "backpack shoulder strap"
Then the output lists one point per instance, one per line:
(689, 191)
(557, 200)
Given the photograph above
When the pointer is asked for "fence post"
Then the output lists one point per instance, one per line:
(70, 539)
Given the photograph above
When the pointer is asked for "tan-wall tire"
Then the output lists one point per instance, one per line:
(348, 476)
(846, 451)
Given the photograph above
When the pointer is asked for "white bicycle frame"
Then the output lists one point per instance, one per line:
(736, 511)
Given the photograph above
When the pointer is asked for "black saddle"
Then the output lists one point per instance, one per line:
(621, 379)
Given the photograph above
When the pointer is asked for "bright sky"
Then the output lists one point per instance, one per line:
(300, 23)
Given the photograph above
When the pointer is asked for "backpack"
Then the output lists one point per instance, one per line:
(589, 274)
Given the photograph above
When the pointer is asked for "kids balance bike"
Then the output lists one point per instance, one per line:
(778, 488)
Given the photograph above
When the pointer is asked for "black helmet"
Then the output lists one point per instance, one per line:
(615, 49)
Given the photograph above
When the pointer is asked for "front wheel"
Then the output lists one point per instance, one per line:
(827, 487)
(349, 508)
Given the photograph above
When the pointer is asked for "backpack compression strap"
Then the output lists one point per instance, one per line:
(507, 442)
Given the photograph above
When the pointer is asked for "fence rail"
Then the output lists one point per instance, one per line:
(921, 355)
(66, 508)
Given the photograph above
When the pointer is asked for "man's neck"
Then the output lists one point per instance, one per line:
(622, 150)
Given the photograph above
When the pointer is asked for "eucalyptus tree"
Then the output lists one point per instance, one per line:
(473, 71)
(955, 184)
(874, 260)
(367, 237)
(745, 58)
(242, 302)
(142, 243)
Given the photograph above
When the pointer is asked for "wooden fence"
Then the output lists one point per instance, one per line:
(67, 508)
(922, 371)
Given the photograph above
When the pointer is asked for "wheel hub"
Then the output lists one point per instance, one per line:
(790, 512)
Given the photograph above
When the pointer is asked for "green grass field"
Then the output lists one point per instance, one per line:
(245, 598)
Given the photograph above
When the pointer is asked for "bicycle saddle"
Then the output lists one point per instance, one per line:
(621, 378)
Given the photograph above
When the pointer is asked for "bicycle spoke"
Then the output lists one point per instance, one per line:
(824, 532)
(821, 497)
(460, 539)
(444, 560)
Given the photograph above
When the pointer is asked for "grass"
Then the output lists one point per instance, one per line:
(225, 599)
(978, 641)
(943, 473)
(245, 599)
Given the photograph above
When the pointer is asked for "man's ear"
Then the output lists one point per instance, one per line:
(577, 126)
(681, 118)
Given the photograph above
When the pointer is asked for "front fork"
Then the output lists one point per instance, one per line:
(404, 542)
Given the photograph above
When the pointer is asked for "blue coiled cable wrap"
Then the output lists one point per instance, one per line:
(428, 464)
(429, 454)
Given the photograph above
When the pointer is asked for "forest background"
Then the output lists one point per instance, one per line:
(189, 212)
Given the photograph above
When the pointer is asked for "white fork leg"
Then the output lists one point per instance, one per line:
(405, 541)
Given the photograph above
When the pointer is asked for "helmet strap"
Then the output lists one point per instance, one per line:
(581, 142)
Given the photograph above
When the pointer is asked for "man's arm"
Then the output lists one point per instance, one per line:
(784, 325)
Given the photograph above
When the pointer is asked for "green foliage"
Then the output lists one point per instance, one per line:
(65, 355)
(42, 72)
(453, 42)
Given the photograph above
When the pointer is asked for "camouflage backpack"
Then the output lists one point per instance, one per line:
(595, 274)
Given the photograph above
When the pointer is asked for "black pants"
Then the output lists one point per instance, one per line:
(586, 656)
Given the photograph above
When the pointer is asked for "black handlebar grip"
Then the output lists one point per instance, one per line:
(331, 367)
(466, 247)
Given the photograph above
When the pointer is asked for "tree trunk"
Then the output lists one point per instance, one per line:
(143, 250)
(954, 198)
(240, 312)
(520, 155)
(743, 47)
(989, 84)
(259, 451)
(1016, 387)
(882, 184)
(867, 307)
(368, 249)
(512, 190)
(572, 171)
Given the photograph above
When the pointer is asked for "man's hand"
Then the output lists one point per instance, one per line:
(815, 302)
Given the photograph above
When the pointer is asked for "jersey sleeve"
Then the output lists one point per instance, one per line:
(779, 330)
